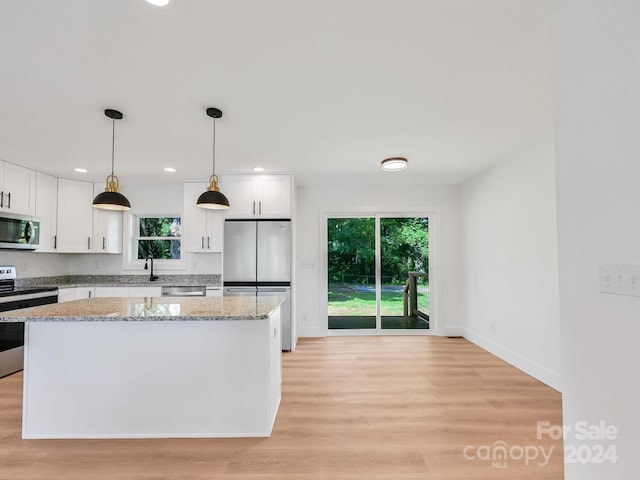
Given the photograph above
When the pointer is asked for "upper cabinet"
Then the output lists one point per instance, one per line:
(75, 216)
(258, 196)
(107, 227)
(82, 228)
(202, 229)
(47, 211)
(17, 189)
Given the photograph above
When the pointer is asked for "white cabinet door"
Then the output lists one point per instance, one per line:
(66, 294)
(111, 292)
(202, 229)
(47, 210)
(214, 291)
(241, 191)
(145, 291)
(257, 196)
(107, 228)
(18, 189)
(84, 292)
(75, 216)
(194, 222)
(274, 196)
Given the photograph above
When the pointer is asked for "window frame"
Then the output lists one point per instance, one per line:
(132, 235)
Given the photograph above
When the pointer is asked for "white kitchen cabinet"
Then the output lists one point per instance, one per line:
(66, 294)
(257, 196)
(17, 189)
(103, 292)
(214, 291)
(47, 211)
(75, 216)
(145, 291)
(107, 227)
(75, 293)
(85, 292)
(202, 229)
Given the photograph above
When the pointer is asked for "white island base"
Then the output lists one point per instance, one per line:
(141, 379)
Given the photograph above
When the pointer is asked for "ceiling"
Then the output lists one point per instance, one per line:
(325, 89)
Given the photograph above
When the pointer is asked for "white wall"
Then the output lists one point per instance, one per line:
(314, 202)
(596, 48)
(510, 258)
(32, 264)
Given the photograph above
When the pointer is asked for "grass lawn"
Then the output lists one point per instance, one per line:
(346, 300)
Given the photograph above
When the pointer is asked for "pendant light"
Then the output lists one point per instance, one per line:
(213, 197)
(111, 198)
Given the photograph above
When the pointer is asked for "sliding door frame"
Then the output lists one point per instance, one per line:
(433, 215)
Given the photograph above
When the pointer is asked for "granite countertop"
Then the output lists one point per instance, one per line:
(71, 281)
(149, 309)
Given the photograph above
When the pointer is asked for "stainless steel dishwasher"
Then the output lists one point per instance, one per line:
(187, 291)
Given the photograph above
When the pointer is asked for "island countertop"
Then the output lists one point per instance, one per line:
(149, 309)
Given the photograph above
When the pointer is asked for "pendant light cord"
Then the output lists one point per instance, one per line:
(214, 147)
(113, 142)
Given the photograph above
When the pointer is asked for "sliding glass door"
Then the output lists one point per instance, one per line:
(404, 258)
(378, 273)
(352, 273)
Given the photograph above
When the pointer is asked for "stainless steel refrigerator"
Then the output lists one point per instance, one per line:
(257, 261)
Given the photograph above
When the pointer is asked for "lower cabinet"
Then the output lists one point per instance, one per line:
(145, 291)
(78, 293)
(128, 291)
(112, 291)
(74, 293)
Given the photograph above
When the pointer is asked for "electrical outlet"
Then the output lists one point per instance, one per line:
(620, 279)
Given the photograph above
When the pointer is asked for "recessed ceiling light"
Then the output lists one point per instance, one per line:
(80, 170)
(160, 3)
(170, 169)
(258, 169)
(394, 164)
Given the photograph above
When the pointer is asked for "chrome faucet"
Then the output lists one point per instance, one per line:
(152, 277)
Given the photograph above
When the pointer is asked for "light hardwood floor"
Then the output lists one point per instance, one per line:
(396, 408)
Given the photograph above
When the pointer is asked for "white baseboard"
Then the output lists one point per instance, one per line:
(312, 332)
(453, 332)
(537, 371)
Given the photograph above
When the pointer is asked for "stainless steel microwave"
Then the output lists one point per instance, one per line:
(19, 231)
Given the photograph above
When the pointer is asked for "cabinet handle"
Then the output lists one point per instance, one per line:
(9, 200)
(260, 207)
(104, 244)
(89, 293)
(208, 243)
(2, 199)
(202, 243)
(55, 241)
(254, 207)
(88, 243)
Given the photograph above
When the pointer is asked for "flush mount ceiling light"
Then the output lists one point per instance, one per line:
(80, 170)
(160, 3)
(111, 198)
(394, 164)
(258, 169)
(170, 170)
(213, 197)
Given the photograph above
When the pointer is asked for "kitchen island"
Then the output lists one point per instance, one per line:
(151, 367)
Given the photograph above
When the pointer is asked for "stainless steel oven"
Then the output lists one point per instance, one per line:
(12, 334)
(20, 232)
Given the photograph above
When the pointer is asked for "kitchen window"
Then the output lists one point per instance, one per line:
(158, 237)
